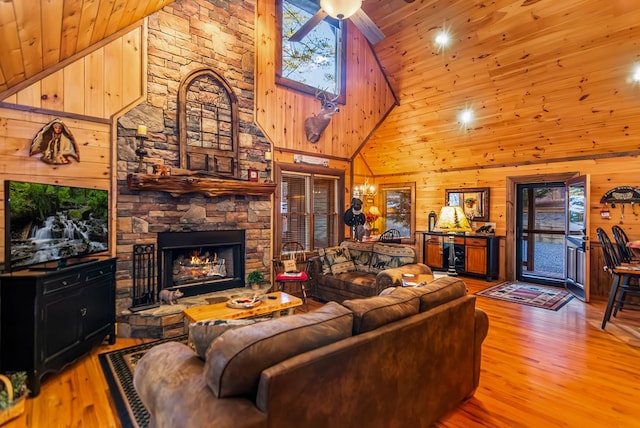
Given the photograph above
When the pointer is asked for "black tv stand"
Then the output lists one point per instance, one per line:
(61, 265)
(48, 319)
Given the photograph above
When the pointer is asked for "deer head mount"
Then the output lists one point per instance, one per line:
(315, 125)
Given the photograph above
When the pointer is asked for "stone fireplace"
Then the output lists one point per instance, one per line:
(201, 262)
(158, 209)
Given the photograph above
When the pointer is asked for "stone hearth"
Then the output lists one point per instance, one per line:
(165, 320)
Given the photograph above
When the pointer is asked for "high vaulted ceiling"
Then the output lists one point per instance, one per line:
(38, 34)
(548, 79)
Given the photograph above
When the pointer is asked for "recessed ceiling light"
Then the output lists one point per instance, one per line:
(442, 39)
(466, 117)
(635, 77)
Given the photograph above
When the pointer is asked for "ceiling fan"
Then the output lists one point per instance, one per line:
(342, 9)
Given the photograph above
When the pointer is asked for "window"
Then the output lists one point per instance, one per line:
(308, 205)
(317, 62)
(398, 213)
(208, 118)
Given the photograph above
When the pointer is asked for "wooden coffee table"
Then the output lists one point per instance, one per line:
(220, 311)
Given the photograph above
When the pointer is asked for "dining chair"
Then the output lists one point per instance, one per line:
(622, 288)
(622, 240)
(291, 268)
(390, 236)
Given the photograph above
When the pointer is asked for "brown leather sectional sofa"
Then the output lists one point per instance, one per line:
(402, 359)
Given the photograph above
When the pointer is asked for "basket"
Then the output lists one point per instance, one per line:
(17, 408)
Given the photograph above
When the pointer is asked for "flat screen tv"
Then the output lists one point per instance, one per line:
(47, 223)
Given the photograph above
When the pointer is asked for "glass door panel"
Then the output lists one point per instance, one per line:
(540, 233)
(576, 239)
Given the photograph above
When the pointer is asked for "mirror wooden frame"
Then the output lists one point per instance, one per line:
(474, 201)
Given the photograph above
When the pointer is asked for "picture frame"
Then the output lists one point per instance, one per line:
(474, 201)
(252, 174)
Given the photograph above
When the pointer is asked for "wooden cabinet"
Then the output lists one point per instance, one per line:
(474, 254)
(433, 251)
(49, 319)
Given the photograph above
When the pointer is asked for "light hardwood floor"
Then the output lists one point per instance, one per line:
(539, 369)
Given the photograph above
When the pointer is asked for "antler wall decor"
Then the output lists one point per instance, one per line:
(315, 125)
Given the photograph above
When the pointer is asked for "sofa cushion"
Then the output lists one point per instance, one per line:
(387, 256)
(237, 357)
(377, 311)
(361, 253)
(337, 258)
(350, 281)
(202, 333)
(440, 291)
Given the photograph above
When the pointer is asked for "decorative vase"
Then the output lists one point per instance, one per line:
(367, 230)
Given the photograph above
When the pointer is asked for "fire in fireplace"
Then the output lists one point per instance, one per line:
(202, 261)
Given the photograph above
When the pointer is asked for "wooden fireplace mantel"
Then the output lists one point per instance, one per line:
(178, 185)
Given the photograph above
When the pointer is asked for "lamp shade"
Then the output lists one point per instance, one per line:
(452, 219)
(374, 211)
(340, 9)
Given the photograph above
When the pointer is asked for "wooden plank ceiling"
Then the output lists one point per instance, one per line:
(36, 35)
(548, 79)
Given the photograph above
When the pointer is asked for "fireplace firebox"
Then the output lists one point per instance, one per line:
(200, 262)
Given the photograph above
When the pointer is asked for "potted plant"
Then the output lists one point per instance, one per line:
(13, 392)
(470, 202)
(255, 278)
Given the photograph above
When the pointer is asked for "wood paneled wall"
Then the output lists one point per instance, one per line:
(86, 94)
(605, 174)
(39, 35)
(281, 112)
(17, 129)
(98, 85)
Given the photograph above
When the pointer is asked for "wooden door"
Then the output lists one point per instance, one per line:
(576, 237)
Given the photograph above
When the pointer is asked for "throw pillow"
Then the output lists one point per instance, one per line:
(338, 259)
(386, 256)
(360, 254)
(326, 268)
(202, 333)
(290, 265)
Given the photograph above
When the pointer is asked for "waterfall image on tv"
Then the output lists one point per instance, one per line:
(46, 223)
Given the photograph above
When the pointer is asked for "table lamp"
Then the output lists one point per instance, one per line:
(452, 220)
(375, 214)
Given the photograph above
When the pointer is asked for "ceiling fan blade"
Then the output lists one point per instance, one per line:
(367, 27)
(308, 26)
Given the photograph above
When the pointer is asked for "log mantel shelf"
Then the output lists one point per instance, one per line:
(178, 185)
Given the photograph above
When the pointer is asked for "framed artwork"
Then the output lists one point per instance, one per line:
(253, 174)
(474, 201)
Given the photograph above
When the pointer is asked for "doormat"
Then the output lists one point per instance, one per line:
(118, 367)
(539, 296)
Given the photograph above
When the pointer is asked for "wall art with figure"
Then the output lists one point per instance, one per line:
(56, 143)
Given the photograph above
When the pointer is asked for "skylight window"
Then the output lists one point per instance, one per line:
(317, 61)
